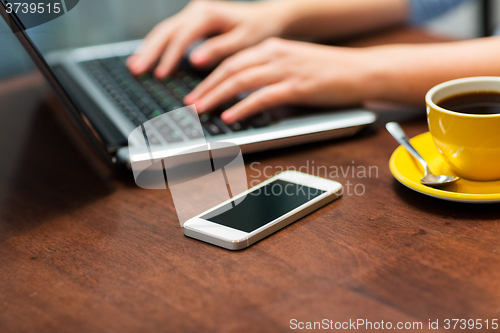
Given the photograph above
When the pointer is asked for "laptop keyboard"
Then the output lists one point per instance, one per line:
(145, 97)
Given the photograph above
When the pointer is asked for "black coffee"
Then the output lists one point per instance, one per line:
(473, 103)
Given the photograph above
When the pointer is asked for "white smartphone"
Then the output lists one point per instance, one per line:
(260, 211)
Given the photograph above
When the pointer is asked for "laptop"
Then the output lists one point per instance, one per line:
(107, 103)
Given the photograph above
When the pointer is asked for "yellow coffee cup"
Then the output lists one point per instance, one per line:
(469, 142)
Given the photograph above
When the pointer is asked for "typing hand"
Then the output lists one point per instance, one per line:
(284, 72)
(239, 25)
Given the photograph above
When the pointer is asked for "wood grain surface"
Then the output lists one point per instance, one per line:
(85, 252)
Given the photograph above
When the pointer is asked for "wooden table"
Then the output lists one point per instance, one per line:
(83, 252)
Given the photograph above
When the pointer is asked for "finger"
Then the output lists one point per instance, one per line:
(230, 66)
(246, 80)
(258, 101)
(217, 48)
(131, 59)
(151, 48)
(179, 43)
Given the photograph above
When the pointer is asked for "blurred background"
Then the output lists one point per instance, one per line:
(91, 22)
(94, 22)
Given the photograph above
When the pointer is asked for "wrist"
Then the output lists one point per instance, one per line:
(377, 76)
(368, 76)
(284, 14)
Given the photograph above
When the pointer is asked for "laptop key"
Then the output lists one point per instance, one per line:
(169, 135)
(260, 120)
(205, 117)
(193, 133)
(164, 129)
(171, 138)
(156, 113)
(212, 128)
(240, 126)
(213, 125)
(153, 140)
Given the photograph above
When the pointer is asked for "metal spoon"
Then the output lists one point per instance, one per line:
(429, 179)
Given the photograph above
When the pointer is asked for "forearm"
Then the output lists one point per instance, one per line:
(404, 73)
(328, 19)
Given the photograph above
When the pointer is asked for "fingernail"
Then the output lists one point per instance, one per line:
(194, 95)
(160, 72)
(227, 117)
(137, 66)
(199, 58)
(131, 60)
(199, 106)
(134, 69)
(188, 99)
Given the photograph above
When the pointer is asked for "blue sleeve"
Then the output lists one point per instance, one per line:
(424, 10)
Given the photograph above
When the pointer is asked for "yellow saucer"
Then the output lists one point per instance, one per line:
(409, 172)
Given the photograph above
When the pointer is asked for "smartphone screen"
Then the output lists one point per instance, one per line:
(263, 205)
